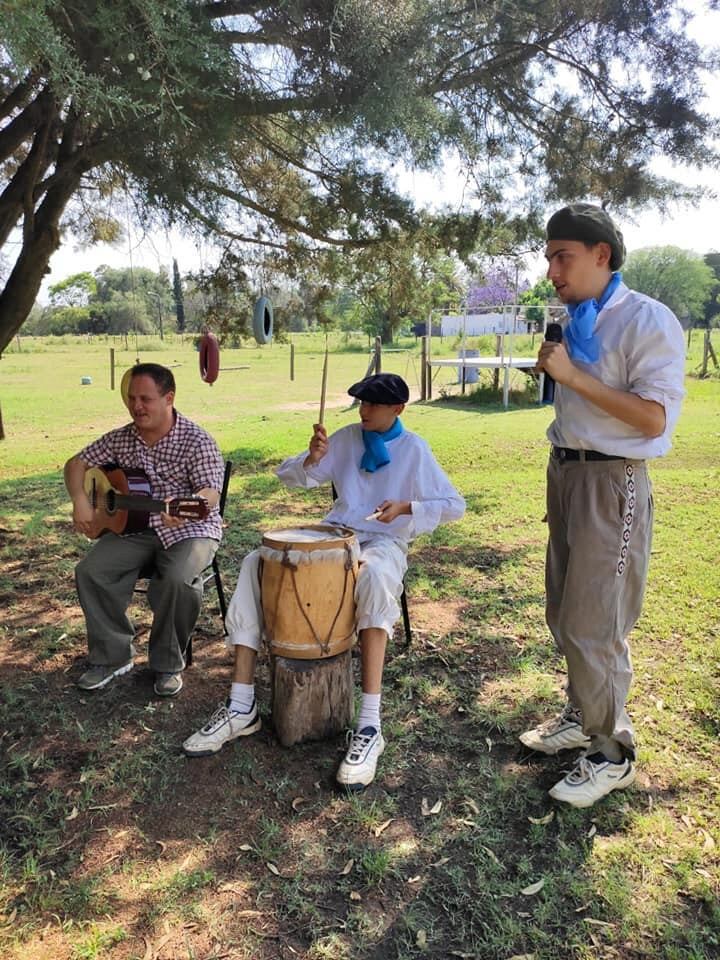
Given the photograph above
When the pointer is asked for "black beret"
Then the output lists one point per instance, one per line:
(381, 388)
(587, 224)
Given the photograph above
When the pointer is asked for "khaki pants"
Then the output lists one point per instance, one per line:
(600, 517)
(105, 579)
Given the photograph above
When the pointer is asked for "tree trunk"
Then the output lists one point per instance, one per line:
(711, 349)
(311, 699)
(39, 244)
(386, 331)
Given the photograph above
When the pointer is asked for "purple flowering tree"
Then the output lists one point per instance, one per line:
(498, 288)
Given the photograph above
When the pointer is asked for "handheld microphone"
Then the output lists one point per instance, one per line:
(554, 333)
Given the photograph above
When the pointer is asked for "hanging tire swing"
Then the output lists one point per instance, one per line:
(263, 320)
(209, 357)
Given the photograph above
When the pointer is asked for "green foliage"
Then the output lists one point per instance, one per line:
(114, 301)
(537, 297)
(678, 278)
(397, 284)
(178, 298)
(277, 125)
(74, 291)
(712, 306)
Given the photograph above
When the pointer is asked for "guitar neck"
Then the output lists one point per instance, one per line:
(126, 501)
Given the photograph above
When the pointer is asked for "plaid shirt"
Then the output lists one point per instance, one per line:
(186, 460)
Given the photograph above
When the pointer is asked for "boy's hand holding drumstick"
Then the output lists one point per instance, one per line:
(318, 446)
(388, 510)
(319, 440)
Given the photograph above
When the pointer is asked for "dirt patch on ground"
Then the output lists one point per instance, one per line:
(439, 618)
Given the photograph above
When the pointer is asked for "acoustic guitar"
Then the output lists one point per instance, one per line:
(122, 500)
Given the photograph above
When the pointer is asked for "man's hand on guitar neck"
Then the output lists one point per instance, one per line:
(211, 498)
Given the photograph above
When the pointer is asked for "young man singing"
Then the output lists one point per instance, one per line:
(619, 384)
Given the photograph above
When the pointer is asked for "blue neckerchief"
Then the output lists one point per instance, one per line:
(376, 454)
(581, 341)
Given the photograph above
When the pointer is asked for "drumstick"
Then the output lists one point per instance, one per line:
(323, 389)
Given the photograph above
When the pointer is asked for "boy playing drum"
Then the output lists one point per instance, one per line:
(389, 490)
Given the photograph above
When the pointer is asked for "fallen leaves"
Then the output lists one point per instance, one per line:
(381, 828)
(541, 821)
(429, 811)
(347, 868)
(533, 888)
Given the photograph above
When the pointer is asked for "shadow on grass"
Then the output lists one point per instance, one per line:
(100, 812)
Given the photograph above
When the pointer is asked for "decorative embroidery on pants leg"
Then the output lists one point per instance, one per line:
(628, 518)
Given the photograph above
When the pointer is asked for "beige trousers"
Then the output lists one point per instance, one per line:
(600, 516)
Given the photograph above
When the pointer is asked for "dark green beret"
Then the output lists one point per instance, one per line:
(587, 224)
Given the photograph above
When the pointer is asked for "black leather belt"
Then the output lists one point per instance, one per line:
(567, 453)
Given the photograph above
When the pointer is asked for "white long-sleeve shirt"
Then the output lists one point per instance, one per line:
(413, 474)
(642, 350)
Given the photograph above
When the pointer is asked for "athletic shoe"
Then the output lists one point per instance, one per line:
(222, 727)
(100, 674)
(358, 768)
(168, 684)
(591, 779)
(563, 732)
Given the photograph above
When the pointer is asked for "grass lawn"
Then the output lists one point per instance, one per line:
(113, 845)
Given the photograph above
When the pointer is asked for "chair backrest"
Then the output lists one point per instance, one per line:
(224, 490)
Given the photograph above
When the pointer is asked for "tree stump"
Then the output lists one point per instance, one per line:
(311, 699)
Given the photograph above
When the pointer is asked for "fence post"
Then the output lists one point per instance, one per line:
(496, 371)
(378, 355)
(112, 368)
(292, 361)
(423, 368)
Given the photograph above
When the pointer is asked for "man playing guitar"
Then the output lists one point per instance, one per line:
(179, 459)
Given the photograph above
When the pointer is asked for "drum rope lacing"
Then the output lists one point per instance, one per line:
(287, 564)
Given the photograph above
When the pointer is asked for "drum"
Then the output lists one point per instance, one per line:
(308, 590)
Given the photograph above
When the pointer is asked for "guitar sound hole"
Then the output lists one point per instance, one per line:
(110, 501)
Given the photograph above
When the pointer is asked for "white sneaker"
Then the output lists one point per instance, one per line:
(358, 768)
(563, 732)
(222, 727)
(591, 779)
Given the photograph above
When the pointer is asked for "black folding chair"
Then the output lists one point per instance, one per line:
(211, 573)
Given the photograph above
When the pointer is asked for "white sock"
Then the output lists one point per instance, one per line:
(242, 697)
(369, 712)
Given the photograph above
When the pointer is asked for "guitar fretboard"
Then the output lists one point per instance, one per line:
(121, 501)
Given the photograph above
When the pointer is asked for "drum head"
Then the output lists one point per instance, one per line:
(308, 537)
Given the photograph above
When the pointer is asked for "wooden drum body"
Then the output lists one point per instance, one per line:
(308, 590)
